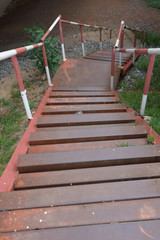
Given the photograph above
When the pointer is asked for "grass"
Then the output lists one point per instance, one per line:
(132, 94)
(153, 3)
(10, 125)
(13, 117)
(153, 39)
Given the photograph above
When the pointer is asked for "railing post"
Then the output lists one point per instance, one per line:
(133, 58)
(110, 36)
(62, 42)
(142, 40)
(82, 41)
(135, 38)
(145, 40)
(100, 43)
(112, 69)
(46, 65)
(21, 87)
(147, 84)
(121, 46)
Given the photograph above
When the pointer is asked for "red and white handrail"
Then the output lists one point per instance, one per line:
(10, 53)
(51, 28)
(85, 25)
(119, 34)
(81, 31)
(14, 52)
(146, 51)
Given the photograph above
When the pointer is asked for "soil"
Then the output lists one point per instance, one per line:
(109, 13)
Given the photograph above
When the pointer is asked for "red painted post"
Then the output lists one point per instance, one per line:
(46, 65)
(135, 38)
(62, 42)
(119, 34)
(110, 36)
(21, 86)
(145, 40)
(112, 69)
(82, 41)
(100, 33)
(142, 39)
(147, 84)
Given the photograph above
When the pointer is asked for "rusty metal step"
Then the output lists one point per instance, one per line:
(118, 231)
(89, 108)
(69, 94)
(87, 158)
(87, 176)
(83, 194)
(87, 135)
(86, 145)
(81, 100)
(82, 215)
(84, 119)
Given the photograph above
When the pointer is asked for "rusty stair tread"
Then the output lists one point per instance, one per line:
(81, 215)
(84, 89)
(86, 145)
(87, 135)
(87, 158)
(81, 100)
(82, 94)
(116, 231)
(84, 119)
(78, 127)
(89, 108)
(87, 176)
(80, 194)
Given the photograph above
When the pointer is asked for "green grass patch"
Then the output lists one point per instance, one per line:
(132, 93)
(10, 120)
(153, 39)
(153, 3)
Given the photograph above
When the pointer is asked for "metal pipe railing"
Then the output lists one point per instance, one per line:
(14, 52)
(119, 34)
(81, 31)
(10, 53)
(148, 51)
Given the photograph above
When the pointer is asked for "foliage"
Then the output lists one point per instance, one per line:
(10, 125)
(153, 39)
(51, 47)
(150, 139)
(153, 3)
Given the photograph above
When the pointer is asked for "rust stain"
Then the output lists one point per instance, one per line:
(143, 231)
(68, 64)
(147, 212)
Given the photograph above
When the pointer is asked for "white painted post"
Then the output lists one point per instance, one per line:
(83, 50)
(26, 104)
(120, 59)
(133, 60)
(143, 104)
(62, 43)
(63, 52)
(147, 84)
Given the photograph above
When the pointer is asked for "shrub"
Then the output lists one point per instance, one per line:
(51, 47)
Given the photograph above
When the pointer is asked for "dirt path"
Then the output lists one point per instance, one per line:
(109, 13)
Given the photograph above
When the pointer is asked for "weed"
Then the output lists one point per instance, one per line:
(150, 139)
(125, 144)
(31, 104)
(51, 47)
